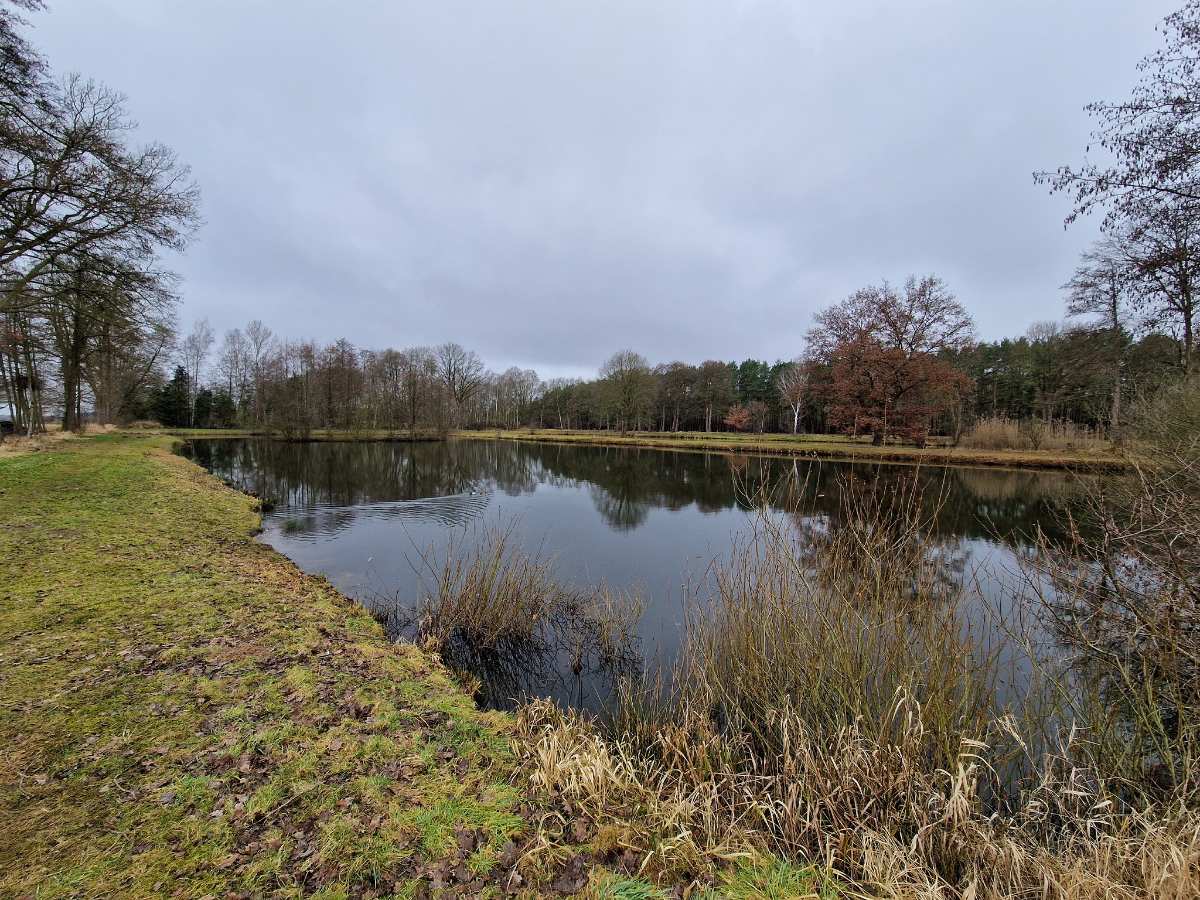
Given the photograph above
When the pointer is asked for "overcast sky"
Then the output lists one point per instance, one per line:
(546, 182)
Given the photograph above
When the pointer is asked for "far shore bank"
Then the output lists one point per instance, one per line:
(814, 446)
(807, 446)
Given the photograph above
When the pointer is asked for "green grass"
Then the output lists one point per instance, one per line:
(818, 446)
(628, 889)
(764, 878)
(773, 880)
(183, 712)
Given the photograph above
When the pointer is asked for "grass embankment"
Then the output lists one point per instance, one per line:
(184, 713)
(818, 446)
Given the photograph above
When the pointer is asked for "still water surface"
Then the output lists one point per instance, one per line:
(370, 516)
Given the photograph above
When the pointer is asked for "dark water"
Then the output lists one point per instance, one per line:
(370, 516)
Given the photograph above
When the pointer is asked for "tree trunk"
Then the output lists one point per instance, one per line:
(1188, 341)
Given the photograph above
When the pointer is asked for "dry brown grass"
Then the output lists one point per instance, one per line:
(830, 706)
(869, 812)
(497, 615)
(1000, 433)
(488, 590)
(14, 444)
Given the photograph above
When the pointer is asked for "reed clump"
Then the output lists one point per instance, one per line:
(1003, 433)
(841, 699)
(501, 619)
(489, 591)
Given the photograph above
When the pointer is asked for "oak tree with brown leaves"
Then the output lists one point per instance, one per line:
(881, 350)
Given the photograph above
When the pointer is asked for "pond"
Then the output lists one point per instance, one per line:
(376, 518)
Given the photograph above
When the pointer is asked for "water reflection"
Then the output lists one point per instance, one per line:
(322, 487)
(646, 521)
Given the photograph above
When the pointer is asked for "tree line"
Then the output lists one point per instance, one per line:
(896, 363)
(87, 311)
(85, 304)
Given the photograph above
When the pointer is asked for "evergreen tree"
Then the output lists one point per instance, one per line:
(172, 407)
(202, 411)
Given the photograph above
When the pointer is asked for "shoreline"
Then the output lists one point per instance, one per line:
(317, 436)
(816, 449)
(810, 447)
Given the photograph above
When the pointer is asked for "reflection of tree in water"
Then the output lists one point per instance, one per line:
(321, 488)
(972, 503)
(453, 511)
(624, 483)
(620, 504)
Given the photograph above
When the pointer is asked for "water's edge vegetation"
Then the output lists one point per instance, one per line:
(832, 702)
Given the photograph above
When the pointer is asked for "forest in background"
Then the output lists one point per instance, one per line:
(252, 379)
(88, 311)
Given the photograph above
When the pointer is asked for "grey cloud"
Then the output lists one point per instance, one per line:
(548, 182)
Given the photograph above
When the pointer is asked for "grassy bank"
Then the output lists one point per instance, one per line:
(184, 713)
(818, 447)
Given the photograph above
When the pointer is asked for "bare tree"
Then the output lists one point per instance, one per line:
(629, 386)
(82, 216)
(233, 363)
(71, 186)
(1099, 292)
(515, 393)
(259, 337)
(1162, 247)
(194, 355)
(792, 384)
(676, 391)
(419, 380)
(461, 372)
(714, 385)
(1152, 138)
(97, 310)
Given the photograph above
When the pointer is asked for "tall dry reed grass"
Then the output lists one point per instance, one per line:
(488, 589)
(836, 703)
(499, 615)
(1002, 433)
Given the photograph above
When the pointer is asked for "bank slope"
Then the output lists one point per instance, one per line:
(184, 713)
